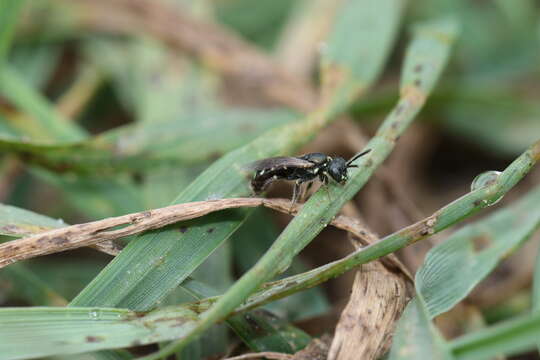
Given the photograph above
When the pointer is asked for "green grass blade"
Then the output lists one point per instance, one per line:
(263, 331)
(510, 337)
(342, 79)
(9, 14)
(159, 261)
(27, 332)
(416, 337)
(536, 286)
(182, 140)
(429, 48)
(492, 109)
(35, 64)
(260, 330)
(97, 196)
(247, 251)
(147, 85)
(15, 221)
(79, 330)
(48, 124)
(438, 282)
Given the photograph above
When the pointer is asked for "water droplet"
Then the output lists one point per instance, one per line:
(484, 179)
(94, 314)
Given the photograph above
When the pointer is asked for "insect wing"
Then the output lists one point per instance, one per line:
(278, 162)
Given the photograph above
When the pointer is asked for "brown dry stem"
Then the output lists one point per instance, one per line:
(317, 349)
(379, 296)
(367, 323)
(95, 232)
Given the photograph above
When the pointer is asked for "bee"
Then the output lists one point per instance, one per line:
(303, 169)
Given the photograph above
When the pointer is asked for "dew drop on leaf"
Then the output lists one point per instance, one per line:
(94, 314)
(484, 179)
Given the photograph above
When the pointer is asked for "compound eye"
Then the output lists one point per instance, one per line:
(335, 174)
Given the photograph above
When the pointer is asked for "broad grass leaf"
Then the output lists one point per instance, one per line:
(453, 268)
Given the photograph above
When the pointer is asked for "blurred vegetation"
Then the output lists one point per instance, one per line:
(114, 107)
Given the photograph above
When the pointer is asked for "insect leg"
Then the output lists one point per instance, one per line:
(325, 180)
(296, 193)
(303, 190)
(308, 187)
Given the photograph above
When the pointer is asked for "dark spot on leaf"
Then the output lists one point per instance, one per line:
(417, 82)
(477, 202)
(91, 338)
(399, 109)
(418, 68)
(183, 229)
(211, 230)
(139, 314)
(481, 242)
(138, 178)
(59, 240)
(215, 155)
(395, 125)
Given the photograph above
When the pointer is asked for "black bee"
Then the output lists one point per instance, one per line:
(304, 169)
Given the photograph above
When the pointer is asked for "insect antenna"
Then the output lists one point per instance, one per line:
(356, 157)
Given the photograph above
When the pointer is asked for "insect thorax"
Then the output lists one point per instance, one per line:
(316, 158)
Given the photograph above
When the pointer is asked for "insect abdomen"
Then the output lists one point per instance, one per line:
(263, 178)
